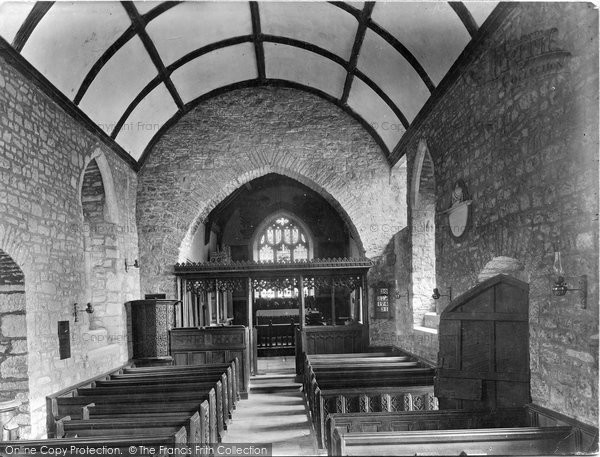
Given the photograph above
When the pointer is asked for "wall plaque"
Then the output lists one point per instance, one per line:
(382, 301)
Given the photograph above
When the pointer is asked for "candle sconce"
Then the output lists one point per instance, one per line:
(560, 288)
(398, 295)
(135, 264)
(436, 294)
(88, 309)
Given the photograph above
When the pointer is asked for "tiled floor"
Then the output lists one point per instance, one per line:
(274, 412)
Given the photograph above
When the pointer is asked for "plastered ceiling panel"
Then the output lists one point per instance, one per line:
(215, 69)
(71, 37)
(431, 31)
(67, 41)
(145, 121)
(480, 10)
(189, 26)
(319, 23)
(376, 112)
(392, 73)
(304, 67)
(12, 15)
(118, 83)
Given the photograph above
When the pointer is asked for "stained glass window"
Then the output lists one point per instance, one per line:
(282, 241)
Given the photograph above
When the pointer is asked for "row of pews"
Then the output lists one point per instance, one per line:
(364, 383)
(142, 407)
(383, 404)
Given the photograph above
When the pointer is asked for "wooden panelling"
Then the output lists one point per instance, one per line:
(484, 347)
(200, 346)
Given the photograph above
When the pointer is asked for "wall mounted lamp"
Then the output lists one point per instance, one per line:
(560, 286)
(398, 295)
(436, 294)
(135, 264)
(88, 309)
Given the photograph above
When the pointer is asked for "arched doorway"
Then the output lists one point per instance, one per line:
(101, 250)
(275, 256)
(14, 376)
(423, 200)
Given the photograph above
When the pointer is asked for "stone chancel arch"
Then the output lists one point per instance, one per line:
(245, 134)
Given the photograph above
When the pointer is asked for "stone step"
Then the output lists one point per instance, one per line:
(273, 383)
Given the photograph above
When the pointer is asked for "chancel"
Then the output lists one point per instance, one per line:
(335, 228)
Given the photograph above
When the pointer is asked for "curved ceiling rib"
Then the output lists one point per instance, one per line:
(256, 83)
(266, 38)
(258, 38)
(259, 49)
(118, 44)
(35, 16)
(363, 18)
(385, 68)
(140, 27)
(465, 16)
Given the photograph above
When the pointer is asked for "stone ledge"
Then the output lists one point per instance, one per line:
(430, 331)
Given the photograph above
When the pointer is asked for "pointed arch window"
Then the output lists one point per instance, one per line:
(283, 240)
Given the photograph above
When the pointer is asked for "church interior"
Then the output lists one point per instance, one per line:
(381, 214)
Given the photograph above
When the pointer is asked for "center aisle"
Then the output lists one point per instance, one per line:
(274, 412)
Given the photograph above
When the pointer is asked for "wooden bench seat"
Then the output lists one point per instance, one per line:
(201, 402)
(113, 424)
(122, 443)
(365, 382)
(71, 406)
(424, 420)
(367, 400)
(490, 441)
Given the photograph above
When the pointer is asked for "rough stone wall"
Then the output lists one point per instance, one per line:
(241, 135)
(13, 340)
(43, 154)
(520, 127)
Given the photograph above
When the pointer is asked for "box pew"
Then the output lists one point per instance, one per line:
(114, 425)
(122, 443)
(486, 441)
(424, 420)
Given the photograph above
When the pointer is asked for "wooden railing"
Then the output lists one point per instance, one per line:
(275, 335)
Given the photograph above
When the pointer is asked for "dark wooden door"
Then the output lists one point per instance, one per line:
(484, 347)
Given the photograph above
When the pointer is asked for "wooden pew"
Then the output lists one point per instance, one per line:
(79, 407)
(71, 406)
(229, 391)
(368, 400)
(424, 420)
(109, 388)
(367, 382)
(206, 411)
(490, 441)
(120, 443)
(117, 424)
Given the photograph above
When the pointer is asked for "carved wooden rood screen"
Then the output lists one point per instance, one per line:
(317, 306)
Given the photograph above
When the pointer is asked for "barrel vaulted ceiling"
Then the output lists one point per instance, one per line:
(135, 67)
